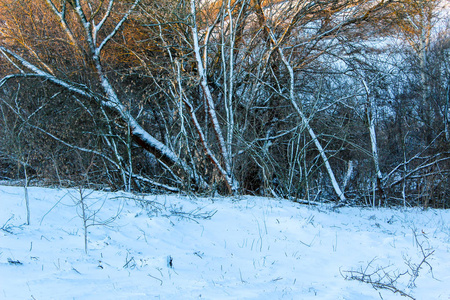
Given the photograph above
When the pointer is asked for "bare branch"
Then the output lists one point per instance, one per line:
(116, 29)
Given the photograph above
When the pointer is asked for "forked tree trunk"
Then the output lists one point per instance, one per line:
(225, 154)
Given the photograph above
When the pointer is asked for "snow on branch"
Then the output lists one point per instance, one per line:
(113, 33)
(40, 73)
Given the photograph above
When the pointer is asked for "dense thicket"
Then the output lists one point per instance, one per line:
(343, 101)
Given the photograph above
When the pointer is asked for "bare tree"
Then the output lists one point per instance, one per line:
(96, 28)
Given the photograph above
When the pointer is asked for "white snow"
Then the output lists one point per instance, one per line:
(247, 248)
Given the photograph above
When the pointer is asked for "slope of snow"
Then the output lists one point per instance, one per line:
(222, 248)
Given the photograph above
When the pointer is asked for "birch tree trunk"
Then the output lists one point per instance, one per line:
(447, 112)
(311, 132)
(370, 114)
(224, 148)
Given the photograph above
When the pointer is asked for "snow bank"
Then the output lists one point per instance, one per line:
(224, 248)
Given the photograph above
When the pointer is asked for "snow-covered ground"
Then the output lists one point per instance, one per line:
(221, 248)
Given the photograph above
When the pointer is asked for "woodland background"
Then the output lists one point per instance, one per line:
(333, 100)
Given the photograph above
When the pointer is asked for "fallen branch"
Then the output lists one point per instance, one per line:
(380, 278)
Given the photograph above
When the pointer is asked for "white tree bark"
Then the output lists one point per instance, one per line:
(209, 101)
(348, 175)
(447, 112)
(371, 112)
